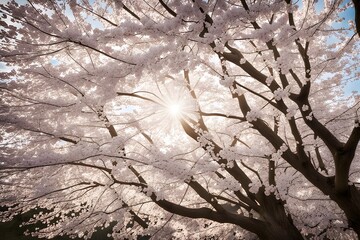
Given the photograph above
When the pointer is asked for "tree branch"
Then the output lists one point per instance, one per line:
(169, 10)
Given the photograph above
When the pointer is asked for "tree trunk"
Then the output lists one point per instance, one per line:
(349, 202)
(277, 232)
(279, 225)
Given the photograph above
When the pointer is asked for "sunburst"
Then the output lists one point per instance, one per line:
(175, 109)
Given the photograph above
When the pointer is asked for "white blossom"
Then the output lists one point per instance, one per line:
(242, 61)
(280, 94)
(305, 108)
(310, 116)
(291, 111)
(269, 80)
(252, 115)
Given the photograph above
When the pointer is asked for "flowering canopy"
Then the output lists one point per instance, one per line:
(181, 119)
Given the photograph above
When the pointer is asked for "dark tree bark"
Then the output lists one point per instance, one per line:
(357, 15)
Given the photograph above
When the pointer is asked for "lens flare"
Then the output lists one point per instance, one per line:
(175, 109)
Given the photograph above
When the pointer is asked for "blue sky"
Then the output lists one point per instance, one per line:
(355, 85)
(348, 15)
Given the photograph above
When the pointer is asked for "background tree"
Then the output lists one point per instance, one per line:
(184, 119)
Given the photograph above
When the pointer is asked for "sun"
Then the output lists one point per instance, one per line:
(171, 103)
(174, 109)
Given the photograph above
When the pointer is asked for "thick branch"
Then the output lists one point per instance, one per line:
(169, 10)
(319, 129)
(131, 12)
(235, 171)
(250, 224)
(357, 15)
(343, 158)
(206, 196)
(352, 142)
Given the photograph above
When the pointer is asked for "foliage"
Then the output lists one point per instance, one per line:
(180, 119)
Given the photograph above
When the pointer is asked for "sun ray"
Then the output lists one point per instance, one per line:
(175, 109)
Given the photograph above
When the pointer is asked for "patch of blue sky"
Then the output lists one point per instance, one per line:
(4, 68)
(21, 2)
(348, 15)
(68, 13)
(95, 21)
(352, 87)
(54, 62)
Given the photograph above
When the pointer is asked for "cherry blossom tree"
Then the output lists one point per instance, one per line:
(181, 119)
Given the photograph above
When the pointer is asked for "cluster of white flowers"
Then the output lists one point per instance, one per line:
(253, 115)
(269, 80)
(254, 187)
(230, 184)
(281, 93)
(291, 111)
(204, 138)
(227, 81)
(237, 91)
(305, 108)
(219, 46)
(230, 164)
(310, 116)
(270, 189)
(277, 155)
(228, 153)
(149, 191)
(173, 169)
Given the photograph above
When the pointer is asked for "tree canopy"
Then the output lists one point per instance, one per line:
(191, 119)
